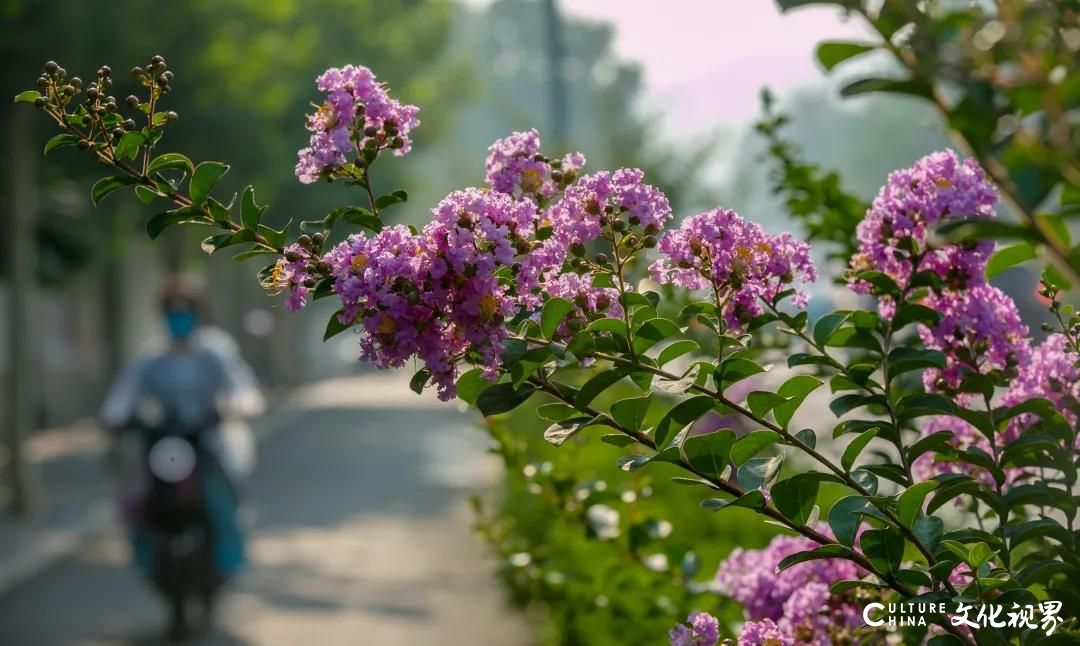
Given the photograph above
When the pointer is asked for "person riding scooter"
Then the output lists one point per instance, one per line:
(182, 455)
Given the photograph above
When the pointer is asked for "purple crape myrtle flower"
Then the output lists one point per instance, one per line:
(358, 112)
(980, 331)
(894, 234)
(764, 633)
(1050, 372)
(515, 166)
(721, 251)
(700, 629)
(590, 302)
(290, 274)
(436, 295)
(595, 200)
(796, 603)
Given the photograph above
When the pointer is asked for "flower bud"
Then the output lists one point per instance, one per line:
(161, 81)
(92, 94)
(309, 283)
(118, 132)
(397, 143)
(603, 301)
(157, 60)
(51, 67)
(304, 241)
(39, 102)
(371, 131)
(105, 71)
(601, 258)
(132, 101)
(292, 256)
(323, 267)
(171, 116)
(619, 226)
(649, 242)
(318, 238)
(75, 82)
(577, 249)
(84, 144)
(138, 73)
(129, 124)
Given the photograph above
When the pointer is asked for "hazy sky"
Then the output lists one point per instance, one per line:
(705, 61)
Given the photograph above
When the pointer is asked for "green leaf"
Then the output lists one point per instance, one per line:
(470, 385)
(846, 515)
(28, 96)
(354, 215)
(708, 453)
(107, 185)
(751, 500)
(851, 453)
(419, 380)
(203, 179)
(682, 414)
(914, 313)
(62, 140)
(188, 214)
(276, 237)
(734, 369)
(928, 530)
(582, 345)
(630, 413)
(222, 240)
(830, 551)
(794, 391)
(758, 473)
(170, 161)
(334, 326)
(796, 497)
(832, 53)
(557, 412)
(884, 548)
(129, 144)
(751, 444)
(923, 404)
(897, 86)
(559, 432)
(391, 199)
(652, 332)
(598, 384)
(902, 359)
(826, 326)
(250, 212)
(502, 397)
(674, 350)
(909, 505)
(1010, 256)
(553, 313)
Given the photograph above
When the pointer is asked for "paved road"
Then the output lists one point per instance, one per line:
(361, 536)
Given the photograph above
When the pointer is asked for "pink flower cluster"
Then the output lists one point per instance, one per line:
(589, 301)
(700, 629)
(736, 258)
(795, 603)
(516, 166)
(1048, 371)
(595, 199)
(291, 274)
(357, 110)
(980, 330)
(436, 295)
(894, 233)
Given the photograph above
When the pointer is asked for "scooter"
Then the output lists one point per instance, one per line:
(177, 517)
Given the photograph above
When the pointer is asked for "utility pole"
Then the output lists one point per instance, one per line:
(556, 55)
(22, 248)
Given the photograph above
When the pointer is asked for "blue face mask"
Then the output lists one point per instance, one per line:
(181, 323)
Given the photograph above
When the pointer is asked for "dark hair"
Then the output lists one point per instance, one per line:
(182, 293)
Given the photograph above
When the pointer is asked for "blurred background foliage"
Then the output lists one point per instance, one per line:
(245, 71)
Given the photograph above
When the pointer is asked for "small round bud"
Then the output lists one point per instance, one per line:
(129, 124)
(132, 101)
(601, 259)
(161, 81)
(84, 144)
(619, 226)
(61, 73)
(649, 242)
(318, 238)
(556, 175)
(309, 283)
(603, 301)
(138, 73)
(371, 131)
(397, 143)
(75, 82)
(310, 267)
(652, 230)
(39, 102)
(304, 241)
(538, 157)
(118, 131)
(107, 83)
(51, 67)
(105, 71)
(168, 75)
(390, 130)
(42, 81)
(171, 116)
(157, 60)
(292, 256)
(324, 267)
